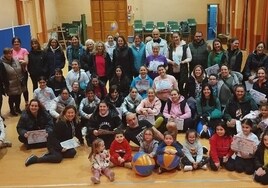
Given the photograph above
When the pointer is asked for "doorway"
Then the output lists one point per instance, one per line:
(109, 17)
(212, 21)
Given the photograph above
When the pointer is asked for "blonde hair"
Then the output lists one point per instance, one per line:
(95, 145)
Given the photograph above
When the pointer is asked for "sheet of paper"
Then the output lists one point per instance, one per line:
(149, 118)
(68, 144)
(243, 145)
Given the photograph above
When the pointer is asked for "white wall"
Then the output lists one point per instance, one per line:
(8, 13)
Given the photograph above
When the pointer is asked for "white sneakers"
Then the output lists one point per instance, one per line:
(187, 168)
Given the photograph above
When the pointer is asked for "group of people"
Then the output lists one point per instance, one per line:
(155, 90)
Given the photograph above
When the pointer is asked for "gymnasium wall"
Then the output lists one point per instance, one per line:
(8, 13)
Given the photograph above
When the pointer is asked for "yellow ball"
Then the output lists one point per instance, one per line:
(168, 161)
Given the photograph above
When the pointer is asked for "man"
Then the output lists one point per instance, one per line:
(199, 49)
(157, 39)
(134, 131)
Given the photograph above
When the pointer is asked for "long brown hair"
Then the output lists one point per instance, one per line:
(62, 114)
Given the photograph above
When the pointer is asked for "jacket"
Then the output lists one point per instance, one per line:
(28, 122)
(190, 88)
(259, 158)
(187, 150)
(70, 51)
(109, 66)
(234, 106)
(222, 92)
(163, 48)
(55, 85)
(120, 149)
(138, 56)
(234, 59)
(220, 146)
(253, 62)
(213, 112)
(37, 66)
(54, 59)
(57, 105)
(130, 105)
(142, 88)
(87, 107)
(149, 148)
(153, 108)
(199, 54)
(176, 111)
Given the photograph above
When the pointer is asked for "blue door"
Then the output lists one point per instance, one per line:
(212, 21)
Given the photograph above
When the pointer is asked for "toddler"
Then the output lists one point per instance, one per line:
(100, 161)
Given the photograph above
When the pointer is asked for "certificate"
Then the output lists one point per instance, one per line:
(69, 144)
(142, 85)
(257, 96)
(37, 136)
(149, 118)
(244, 145)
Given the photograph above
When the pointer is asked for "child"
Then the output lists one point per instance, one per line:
(193, 152)
(261, 162)
(100, 161)
(149, 144)
(120, 150)
(169, 141)
(220, 150)
(244, 162)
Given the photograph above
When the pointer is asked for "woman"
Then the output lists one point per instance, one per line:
(86, 57)
(138, 51)
(102, 124)
(13, 81)
(142, 82)
(77, 94)
(44, 94)
(101, 63)
(57, 82)
(123, 56)
(74, 51)
(179, 58)
(255, 60)
(217, 55)
(88, 106)
(130, 103)
(110, 45)
(98, 87)
(208, 111)
(163, 84)
(64, 129)
(114, 97)
(76, 74)
(234, 55)
(21, 54)
(120, 80)
(154, 60)
(54, 57)
(230, 78)
(261, 84)
(240, 105)
(151, 106)
(196, 80)
(58, 104)
(35, 117)
(37, 65)
(177, 109)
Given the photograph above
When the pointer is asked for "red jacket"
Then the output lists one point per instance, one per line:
(120, 150)
(220, 146)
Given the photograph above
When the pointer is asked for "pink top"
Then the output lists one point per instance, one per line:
(19, 54)
(152, 107)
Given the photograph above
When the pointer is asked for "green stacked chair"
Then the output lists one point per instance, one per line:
(149, 26)
(161, 26)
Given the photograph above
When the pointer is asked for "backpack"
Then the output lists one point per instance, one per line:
(182, 105)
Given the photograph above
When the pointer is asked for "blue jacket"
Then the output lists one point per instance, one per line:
(69, 53)
(139, 56)
(142, 89)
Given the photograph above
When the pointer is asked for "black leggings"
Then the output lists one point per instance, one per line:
(244, 165)
(26, 92)
(14, 100)
(35, 82)
(262, 179)
(54, 156)
(229, 165)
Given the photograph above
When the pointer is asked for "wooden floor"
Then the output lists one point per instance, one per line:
(76, 172)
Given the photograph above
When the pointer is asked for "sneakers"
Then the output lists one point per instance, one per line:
(204, 167)
(128, 165)
(111, 177)
(95, 180)
(31, 160)
(187, 168)
(159, 170)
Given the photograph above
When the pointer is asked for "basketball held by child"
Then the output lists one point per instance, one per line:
(142, 164)
(168, 161)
